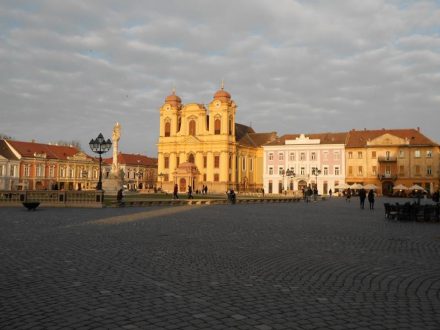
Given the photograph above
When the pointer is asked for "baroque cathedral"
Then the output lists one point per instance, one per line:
(202, 147)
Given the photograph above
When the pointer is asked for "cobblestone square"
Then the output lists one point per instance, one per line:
(323, 265)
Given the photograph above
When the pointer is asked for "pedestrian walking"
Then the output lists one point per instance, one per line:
(119, 196)
(348, 195)
(330, 193)
(175, 191)
(371, 199)
(362, 197)
(190, 196)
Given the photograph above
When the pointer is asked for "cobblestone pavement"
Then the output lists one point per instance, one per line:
(323, 265)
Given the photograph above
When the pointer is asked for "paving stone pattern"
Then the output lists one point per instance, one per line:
(323, 265)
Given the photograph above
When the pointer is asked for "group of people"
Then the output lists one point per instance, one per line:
(363, 195)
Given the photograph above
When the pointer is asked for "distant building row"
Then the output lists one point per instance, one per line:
(37, 166)
(203, 146)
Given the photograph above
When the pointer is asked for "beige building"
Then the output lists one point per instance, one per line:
(201, 146)
(389, 157)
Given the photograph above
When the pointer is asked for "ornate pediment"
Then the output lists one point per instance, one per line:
(78, 156)
(191, 140)
(387, 139)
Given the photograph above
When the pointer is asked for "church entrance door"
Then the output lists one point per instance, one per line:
(182, 185)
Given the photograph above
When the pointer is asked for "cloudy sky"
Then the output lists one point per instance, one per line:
(70, 69)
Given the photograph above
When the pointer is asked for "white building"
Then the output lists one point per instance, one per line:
(9, 168)
(294, 162)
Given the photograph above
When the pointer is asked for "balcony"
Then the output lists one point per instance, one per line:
(386, 159)
(387, 176)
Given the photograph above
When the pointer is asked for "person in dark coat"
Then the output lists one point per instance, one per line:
(371, 199)
(119, 197)
(175, 191)
(190, 196)
(362, 197)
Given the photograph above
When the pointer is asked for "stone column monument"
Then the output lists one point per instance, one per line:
(115, 180)
(115, 139)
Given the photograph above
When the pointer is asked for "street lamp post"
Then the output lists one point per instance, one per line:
(316, 171)
(100, 146)
(286, 173)
(161, 175)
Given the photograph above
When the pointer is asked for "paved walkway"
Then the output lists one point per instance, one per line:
(323, 265)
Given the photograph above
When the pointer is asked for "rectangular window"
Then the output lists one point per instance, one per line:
(204, 177)
(313, 156)
(336, 155)
(216, 161)
(360, 171)
(417, 153)
(40, 170)
(270, 156)
(280, 171)
(280, 156)
(350, 170)
(166, 161)
(325, 170)
(177, 161)
(388, 170)
(337, 172)
(401, 170)
(401, 153)
(230, 163)
(243, 163)
(71, 172)
(429, 170)
(303, 171)
(373, 154)
(428, 153)
(374, 170)
(205, 162)
(251, 165)
(360, 154)
(216, 177)
(270, 170)
(27, 171)
(417, 169)
(292, 156)
(303, 156)
(325, 155)
(350, 155)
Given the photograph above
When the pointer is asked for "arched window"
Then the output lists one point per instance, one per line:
(191, 158)
(192, 127)
(167, 128)
(217, 126)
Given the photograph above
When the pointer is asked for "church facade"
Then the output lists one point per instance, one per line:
(204, 147)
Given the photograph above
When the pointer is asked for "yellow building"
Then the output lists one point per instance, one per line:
(202, 147)
(389, 157)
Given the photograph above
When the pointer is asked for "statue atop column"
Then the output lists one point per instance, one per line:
(115, 139)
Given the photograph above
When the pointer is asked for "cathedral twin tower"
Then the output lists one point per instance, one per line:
(200, 147)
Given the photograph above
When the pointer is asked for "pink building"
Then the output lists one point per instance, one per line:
(294, 161)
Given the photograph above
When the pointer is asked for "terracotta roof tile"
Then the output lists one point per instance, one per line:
(132, 159)
(359, 138)
(325, 138)
(28, 149)
(6, 152)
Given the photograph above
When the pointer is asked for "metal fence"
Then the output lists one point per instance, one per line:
(53, 197)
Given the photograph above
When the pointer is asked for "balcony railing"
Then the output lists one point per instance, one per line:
(387, 176)
(387, 159)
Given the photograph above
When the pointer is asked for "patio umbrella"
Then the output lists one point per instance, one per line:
(416, 187)
(370, 186)
(356, 186)
(400, 187)
(342, 186)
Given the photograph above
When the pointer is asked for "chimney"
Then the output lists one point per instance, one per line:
(418, 129)
(33, 141)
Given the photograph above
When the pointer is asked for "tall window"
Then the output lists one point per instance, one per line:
(216, 161)
(216, 177)
(27, 170)
(336, 170)
(217, 126)
(302, 171)
(230, 162)
(192, 127)
(191, 158)
(40, 170)
(177, 161)
(230, 126)
(350, 154)
(360, 154)
(292, 156)
(388, 170)
(325, 170)
(387, 154)
(251, 164)
(281, 170)
(336, 155)
(401, 153)
(374, 170)
(166, 161)
(360, 171)
(428, 153)
(167, 128)
(281, 156)
(270, 170)
(350, 170)
(429, 170)
(303, 156)
(270, 155)
(313, 156)
(417, 153)
(205, 162)
(243, 163)
(373, 154)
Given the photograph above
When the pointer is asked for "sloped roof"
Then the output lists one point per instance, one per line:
(133, 160)
(29, 149)
(325, 138)
(241, 130)
(358, 139)
(6, 152)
